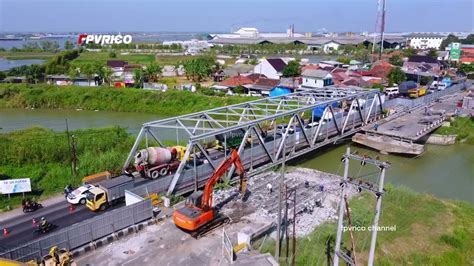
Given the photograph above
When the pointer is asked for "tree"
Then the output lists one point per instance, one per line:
(137, 78)
(73, 73)
(2, 75)
(344, 60)
(432, 53)
(466, 69)
(112, 54)
(198, 69)
(378, 86)
(105, 74)
(89, 71)
(292, 69)
(396, 60)
(239, 89)
(396, 75)
(68, 45)
(34, 73)
(469, 39)
(450, 39)
(409, 52)
(50, 46)
(152, 72)
(176, 67)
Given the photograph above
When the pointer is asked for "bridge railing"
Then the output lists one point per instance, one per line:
(429, 98)
(82, 233)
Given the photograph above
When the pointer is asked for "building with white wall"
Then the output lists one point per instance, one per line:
(247, 32)
(316, 78)
(425, 40)
(272, 68)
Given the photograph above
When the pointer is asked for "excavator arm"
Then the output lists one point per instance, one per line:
(234, 159)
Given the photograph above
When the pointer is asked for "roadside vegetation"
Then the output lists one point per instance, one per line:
(463, 127)
(45, 156)
(171, 102)
(429, 231)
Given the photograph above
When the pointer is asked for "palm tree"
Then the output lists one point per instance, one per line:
(106, 74)
(89, 71)
(176, 66)
(152, 73)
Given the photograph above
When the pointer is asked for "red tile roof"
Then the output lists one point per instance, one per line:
(255, 76)
(265, 82)
(237, 81)
(313, 67)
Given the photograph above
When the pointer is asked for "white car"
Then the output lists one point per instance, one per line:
(78, 196)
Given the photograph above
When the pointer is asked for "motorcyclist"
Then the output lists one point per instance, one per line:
(43, 224)
(68, 189)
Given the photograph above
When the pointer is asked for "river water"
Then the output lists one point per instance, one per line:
(7, 64)
(444, 171)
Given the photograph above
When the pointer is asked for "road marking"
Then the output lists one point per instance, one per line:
(129, 261)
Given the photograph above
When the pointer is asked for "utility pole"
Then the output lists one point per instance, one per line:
(353, 254)
(350, 259)
(287, 239)
(280, 190)
(74, 155)
(382, 29)
(341, 209)
(69, 146)
(378, 208)
(293, 257)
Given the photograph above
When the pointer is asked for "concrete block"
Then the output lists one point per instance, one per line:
(244, 237)
(166, 201)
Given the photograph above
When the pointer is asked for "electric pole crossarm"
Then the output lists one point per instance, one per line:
(368, 160)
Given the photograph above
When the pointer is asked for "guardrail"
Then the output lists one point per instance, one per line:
(428, 98)
(83, 233)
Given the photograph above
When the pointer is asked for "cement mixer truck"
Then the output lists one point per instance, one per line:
(155, 162)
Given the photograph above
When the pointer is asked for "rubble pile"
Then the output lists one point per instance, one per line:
(317, 198)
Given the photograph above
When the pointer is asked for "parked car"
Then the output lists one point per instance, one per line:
(391, 91)
(78, 196)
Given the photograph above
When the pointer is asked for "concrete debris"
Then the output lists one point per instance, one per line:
(317, 196)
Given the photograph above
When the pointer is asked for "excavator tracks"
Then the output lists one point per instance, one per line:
(211, 226)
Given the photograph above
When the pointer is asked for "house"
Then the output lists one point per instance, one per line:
(316, 78)
(467, 54)
(381, 68)
(239, 69)
(425, 40)
(422, 63)
(218, 76)
(263, 85)
(236, 81)
(330, 63)
(117, 66)
(255, 76)
(271, 68)
(60, 80)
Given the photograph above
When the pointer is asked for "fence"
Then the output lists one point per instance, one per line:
(83, 233)
(412, 103)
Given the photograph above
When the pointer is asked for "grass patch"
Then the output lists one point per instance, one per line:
(26, 55)
(463, 127)
(171, 102)
(43, 156)
(429, 231)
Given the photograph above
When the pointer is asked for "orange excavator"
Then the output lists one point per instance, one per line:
(197, 216)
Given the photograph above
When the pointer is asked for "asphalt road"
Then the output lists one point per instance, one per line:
(21, 229)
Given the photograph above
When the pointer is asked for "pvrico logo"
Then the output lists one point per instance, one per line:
(85, 39)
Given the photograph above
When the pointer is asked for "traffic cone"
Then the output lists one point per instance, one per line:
(5, 232)
(71, 208)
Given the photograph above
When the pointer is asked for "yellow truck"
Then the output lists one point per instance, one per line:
(417, 92)
(109, 192)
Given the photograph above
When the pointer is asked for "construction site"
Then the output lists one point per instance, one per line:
(251, 219)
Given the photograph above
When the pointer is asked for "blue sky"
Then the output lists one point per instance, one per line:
(227, 15)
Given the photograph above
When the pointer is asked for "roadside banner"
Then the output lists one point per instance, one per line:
(11, 186)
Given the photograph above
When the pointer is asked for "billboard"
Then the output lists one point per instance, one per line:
(11, 186)
(455, 52)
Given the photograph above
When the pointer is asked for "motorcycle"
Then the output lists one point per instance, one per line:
(43, 229)
(31, 206)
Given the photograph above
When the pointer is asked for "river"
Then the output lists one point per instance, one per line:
(444, 171)
(7, 64)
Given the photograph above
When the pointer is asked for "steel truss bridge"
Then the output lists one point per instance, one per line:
(262, 140)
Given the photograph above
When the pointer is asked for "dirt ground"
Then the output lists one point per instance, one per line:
(165, 244)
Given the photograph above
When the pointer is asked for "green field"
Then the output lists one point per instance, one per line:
(463, 127)
(44, 156)
(172, 102)
(429, 231)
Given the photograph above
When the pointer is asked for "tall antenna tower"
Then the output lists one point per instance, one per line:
(379, 26)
